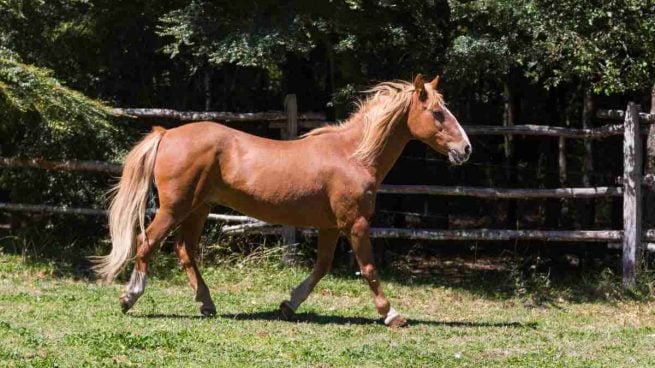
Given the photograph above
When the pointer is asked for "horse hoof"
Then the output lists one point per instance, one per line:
(398, 322)
(125, 303)
(208, 311)
(286, 312)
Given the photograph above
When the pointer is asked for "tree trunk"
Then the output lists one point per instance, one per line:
(552, 208)
(587, 209)
(563, 179)
(207, 79)
(510, 177)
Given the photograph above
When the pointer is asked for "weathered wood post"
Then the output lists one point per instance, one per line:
(632, 178)
(291, 132)
(649, 166)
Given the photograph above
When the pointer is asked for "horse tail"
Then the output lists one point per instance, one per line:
(128, 205)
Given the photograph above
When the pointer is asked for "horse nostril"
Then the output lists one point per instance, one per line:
(467, 149)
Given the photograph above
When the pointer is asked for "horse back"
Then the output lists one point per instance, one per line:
(283, 182)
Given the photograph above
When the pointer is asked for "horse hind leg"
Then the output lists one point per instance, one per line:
(155, 234)
(185, 247)
(327, 241)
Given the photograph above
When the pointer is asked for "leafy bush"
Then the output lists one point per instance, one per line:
(41, 118)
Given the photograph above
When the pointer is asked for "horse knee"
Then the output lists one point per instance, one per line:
(368, 271)
(360, 228)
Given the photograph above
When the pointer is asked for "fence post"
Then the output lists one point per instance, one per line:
(649, 166)
(632, 176)
(289, 232)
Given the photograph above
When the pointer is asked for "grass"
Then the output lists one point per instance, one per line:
(50, 320)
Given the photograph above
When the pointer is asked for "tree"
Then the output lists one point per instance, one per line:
(347, 43)
(41, 118)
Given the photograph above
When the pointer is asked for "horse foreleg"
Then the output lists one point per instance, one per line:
(361, 244)
(185, 247)
(327, 241)
(155, 233)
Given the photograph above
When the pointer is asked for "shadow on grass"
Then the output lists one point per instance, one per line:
(320, 319)
(168, 316)
(315, 318)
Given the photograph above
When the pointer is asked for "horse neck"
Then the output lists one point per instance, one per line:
(381, 164)
(391, 152)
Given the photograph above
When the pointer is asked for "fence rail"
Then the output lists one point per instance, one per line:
(620, 115)
(459, 191)
(223, 116)
(502, 193)
(549, 131)
(290, 120)
(68, 165)
(65, 210)
(248, 224)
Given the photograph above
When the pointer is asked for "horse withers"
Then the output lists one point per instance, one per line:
(327, 179)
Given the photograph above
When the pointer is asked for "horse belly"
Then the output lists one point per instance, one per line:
(302, 211)
(279, 197)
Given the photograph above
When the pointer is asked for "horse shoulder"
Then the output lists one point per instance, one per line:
(352, 195)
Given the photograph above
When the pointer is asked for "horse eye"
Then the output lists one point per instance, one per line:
(439, 116)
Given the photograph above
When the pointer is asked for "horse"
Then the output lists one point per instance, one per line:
(327, 179)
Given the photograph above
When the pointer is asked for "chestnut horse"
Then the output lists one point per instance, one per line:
(327, 179)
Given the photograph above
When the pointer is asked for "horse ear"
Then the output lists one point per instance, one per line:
(419, 83)
(435, 83)
(419, 86)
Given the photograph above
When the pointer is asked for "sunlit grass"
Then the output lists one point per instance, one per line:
(47, 321)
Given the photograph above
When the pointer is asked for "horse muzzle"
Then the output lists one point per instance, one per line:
(458, 157)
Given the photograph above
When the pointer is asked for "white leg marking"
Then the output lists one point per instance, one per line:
(301, 292)
(390, 316)
(137, 284)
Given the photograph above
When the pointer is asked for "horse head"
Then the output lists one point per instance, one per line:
(432, 123)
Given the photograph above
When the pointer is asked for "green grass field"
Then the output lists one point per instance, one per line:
(48, 321)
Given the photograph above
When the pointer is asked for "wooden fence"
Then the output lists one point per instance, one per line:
(290, 121)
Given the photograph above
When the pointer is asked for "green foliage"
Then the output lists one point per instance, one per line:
(475, 61)
(232, 33)
(360, 40)
(33, 96)
(41, 118)
(610, 45)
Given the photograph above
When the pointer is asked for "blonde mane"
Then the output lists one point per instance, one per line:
(385, 105)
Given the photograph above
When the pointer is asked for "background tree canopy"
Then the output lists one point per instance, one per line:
(160, 53)
(536, 59)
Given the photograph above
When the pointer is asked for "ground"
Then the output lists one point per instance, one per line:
(47, 319)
